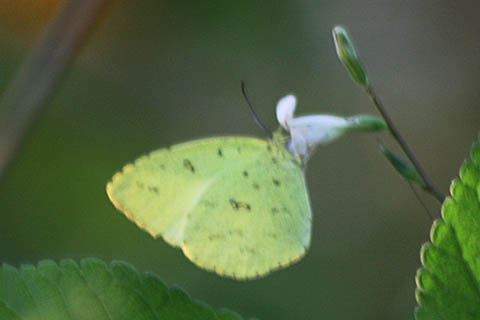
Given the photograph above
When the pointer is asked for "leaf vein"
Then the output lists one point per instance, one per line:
(94, 293)
(470, 273)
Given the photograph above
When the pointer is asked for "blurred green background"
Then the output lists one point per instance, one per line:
(155, 73)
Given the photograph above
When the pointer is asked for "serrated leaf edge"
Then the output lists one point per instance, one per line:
(437, 223)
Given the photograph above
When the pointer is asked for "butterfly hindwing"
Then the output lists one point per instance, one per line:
(235, 205)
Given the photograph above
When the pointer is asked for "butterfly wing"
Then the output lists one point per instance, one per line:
(235, 205)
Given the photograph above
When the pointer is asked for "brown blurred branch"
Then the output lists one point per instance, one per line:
(40, 74)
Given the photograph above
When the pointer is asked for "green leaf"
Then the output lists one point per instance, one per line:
(448, 286)
(94, 290)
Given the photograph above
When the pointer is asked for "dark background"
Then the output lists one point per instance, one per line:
(155, 73)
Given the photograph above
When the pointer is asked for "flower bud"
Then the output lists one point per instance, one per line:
(367, 123)
(404, 168)
(348, 56)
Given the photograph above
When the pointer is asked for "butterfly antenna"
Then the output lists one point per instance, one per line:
(255, 115)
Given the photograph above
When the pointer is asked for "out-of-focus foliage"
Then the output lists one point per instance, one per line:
(449, 283)
(94, 290)
(27, 17)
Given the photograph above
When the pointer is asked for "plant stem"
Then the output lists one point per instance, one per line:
(428, 185)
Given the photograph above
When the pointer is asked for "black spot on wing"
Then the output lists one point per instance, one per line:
(272, 235)
(216, 236)
(234, 204)
(208, 204)
(237, 205)
(187, 164)
(220, 152)
(276, 182)
(153, 189)
(247, 249)
(245, 174)
(236, 232)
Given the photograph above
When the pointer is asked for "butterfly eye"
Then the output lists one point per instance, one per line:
(285, 109)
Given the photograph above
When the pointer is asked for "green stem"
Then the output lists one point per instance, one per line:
(428, 185)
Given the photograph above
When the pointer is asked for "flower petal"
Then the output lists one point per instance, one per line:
(307, 132)
(285, 109)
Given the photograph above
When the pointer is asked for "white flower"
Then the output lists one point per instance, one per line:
(309, 131)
